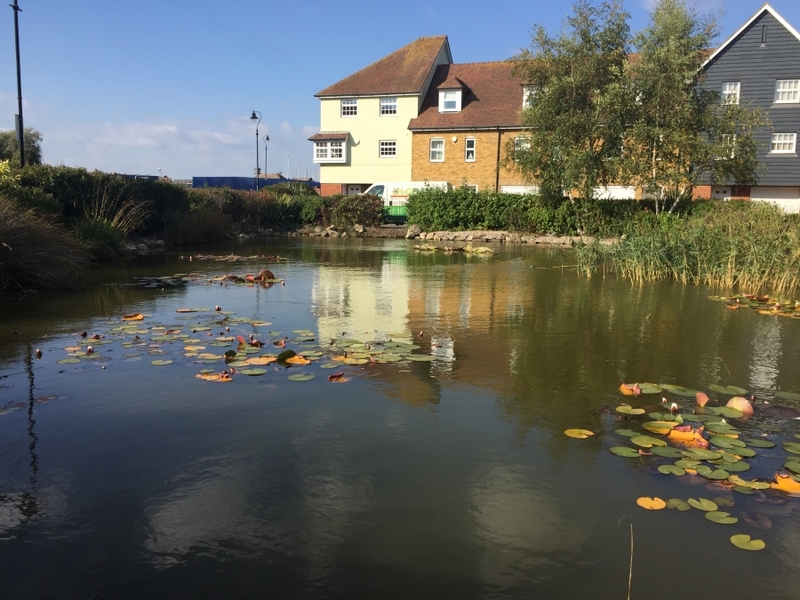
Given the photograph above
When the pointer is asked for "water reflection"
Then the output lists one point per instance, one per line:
(520, 527)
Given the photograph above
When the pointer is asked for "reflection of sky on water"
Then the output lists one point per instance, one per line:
(519, 525)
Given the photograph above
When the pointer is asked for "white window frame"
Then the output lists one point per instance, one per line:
(783, 143)
(730, 92)
(522, 143)
(528, 92)
(787, 91)
(387, 149)
(450, 101)
(349, 108)
(471, 187)
(334, 151)
(436, 154)
(388, 107)
(728, 140)
(469, 146)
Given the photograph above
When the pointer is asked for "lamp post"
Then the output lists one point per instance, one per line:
(20, 126)
(257, 120)
(266, 149)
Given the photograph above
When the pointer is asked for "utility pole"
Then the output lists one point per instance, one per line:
(19, 123)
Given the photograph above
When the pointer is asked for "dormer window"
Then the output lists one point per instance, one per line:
(528, 92)
(450, 101)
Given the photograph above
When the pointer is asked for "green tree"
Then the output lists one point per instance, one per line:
(573, 131)
(680, 134)
(9, 147)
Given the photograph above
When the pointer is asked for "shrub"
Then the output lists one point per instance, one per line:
(347, 211)
(36, 253)
(201, 226)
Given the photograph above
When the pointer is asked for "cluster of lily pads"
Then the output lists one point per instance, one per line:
(225, 346)
(717, 443)
(765, 305)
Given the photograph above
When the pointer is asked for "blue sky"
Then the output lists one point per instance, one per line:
(134, 86)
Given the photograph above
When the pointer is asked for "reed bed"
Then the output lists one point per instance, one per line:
(753, 247)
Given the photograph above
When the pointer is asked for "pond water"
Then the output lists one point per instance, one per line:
(442, 478)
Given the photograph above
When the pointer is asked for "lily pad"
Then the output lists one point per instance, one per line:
(253, 372)
(301, 377)
(793, 447)
(678, 504)
(646, 441)
(687, 463)
(666, 452)
(659, 426)
(651, 503)
(731, 413)
(330, 365)
(712, 474)
(678, 389)
(721, 517)
(286, 354)
(700, 454)
(161, 363)
(787, 395)
(730, 390)
(725, 442)
(734, 467)
(580, 434)
(68, 361)
(627, 432)
(624, 451)
(649, 388)
(626, 409)
(792, 465)
(702, 504)
(741, 489)
(745, 542)
(726, 502)
(671, 470)
(745, 452)
(421, 357)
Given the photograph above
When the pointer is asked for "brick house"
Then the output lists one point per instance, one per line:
(364, 136)
(759, 65)
(469, 116)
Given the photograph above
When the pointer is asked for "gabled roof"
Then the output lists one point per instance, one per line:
(451, 83)
(492, 98)
(404, 71)
(764, 9)
(330, 136)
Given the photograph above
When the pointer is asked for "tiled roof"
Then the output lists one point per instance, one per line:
(401, 72)
(329, 136)
(451, 83)
(492, 98)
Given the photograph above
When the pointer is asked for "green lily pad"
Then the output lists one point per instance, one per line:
(679, 390)
(730, 390)
(330, 365)
(769, 428)
(659, 426)
(253, 372)
(646, 441)
(787, 395)
(759, 443)
(745, 452)
(624, 451)
(301, 377)
(721, 428)
(712, 474)
(68, 361)
(238, 363)
(687, 463)
(745, 542)
(579, 434)
(700, 454)
(678, 504)
(667, 452)
(793, 447)
(734, 467)
(285, 355)
(161, 363)
(792, 465)
(702, 504)
(721, 517)
(626, 409)
(649, 388)
(731, 413)
(671, 470)
(627, 432)
(423, 358)
(721, 501)
(743, 490)
(721, 441)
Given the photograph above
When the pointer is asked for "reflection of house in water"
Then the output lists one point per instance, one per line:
(362, 302)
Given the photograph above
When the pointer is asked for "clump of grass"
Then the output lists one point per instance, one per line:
(35, 253)
(750, 246)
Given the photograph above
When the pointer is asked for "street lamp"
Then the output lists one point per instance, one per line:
(266, 148)
(159, 173)
(257, 120)
(20, 125)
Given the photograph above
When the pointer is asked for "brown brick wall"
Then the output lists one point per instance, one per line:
(455, 170)
(701, 192)
(329, 189)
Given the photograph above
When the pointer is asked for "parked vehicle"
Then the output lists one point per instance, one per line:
(395, 195)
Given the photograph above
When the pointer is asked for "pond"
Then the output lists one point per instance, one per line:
(436, 467)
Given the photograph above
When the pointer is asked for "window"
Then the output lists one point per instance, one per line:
(437, 150)
(350, 108)
(387, 148)
(471, 187)
(783, 143)
(329, 152)
(730, 92)
(450, 101)
(388, 107)
(521, 143)
(728, 141)
(528, 92)
(469, 150)
(787, 90)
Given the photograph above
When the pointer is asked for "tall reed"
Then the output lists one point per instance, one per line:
(753, 247)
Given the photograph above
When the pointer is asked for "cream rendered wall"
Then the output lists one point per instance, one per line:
(364, 165)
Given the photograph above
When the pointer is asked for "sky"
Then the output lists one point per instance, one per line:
(134, 87)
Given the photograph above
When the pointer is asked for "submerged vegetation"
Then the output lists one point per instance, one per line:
(750, 246)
